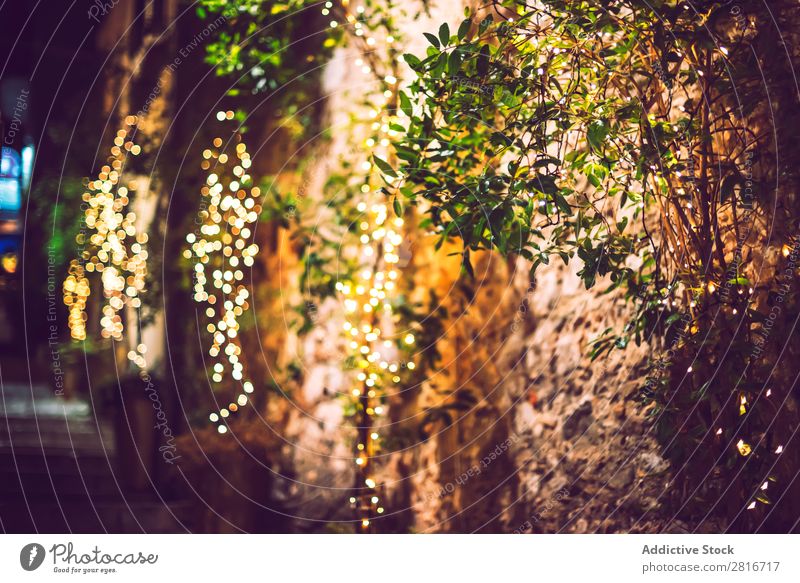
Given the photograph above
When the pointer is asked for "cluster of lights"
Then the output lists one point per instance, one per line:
(367, 298)
(113, 248)
(221, 255)
(368, 309)
(356, 21)
(76, 294)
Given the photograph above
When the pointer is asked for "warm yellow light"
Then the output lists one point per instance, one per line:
(114, 248)
(743, 447)
(9, 262)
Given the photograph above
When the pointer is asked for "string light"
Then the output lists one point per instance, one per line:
(367, 296)
(743, 447)
(364, 329)
(113, 248)
(221, 253)
(76, 294)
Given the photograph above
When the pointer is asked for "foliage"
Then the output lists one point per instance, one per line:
(624, 135)
(273, 52)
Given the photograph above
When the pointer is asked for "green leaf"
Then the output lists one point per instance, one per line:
(398, 207)
(405, 104)
(482, 63)
(739, 281)
(466, 265)
(438, 68)
(454, 63)
(463, 29)
(412, 61)
(543, 183)
(384, 167)
(562, 204)
(596, 133)
(500, 139)
(444, 34)
(432, 39)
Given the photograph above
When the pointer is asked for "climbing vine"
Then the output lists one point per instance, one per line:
(631, 137)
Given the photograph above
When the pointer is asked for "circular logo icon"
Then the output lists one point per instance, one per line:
(31, 556)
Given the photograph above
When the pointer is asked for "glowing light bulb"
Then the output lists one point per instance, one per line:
(743, 447)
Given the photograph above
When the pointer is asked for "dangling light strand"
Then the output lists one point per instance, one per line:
(368, 309)
(113, 248)
(221, 255)
(369, 294)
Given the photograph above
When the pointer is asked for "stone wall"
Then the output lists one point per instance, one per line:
(587, 460)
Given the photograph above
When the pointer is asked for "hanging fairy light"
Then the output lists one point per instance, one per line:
(367, 299)
(113, 248)
(221, 254)
(220, 250)
(368, 295)
(76, 294)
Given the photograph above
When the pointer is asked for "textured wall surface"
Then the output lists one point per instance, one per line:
(587, 461)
